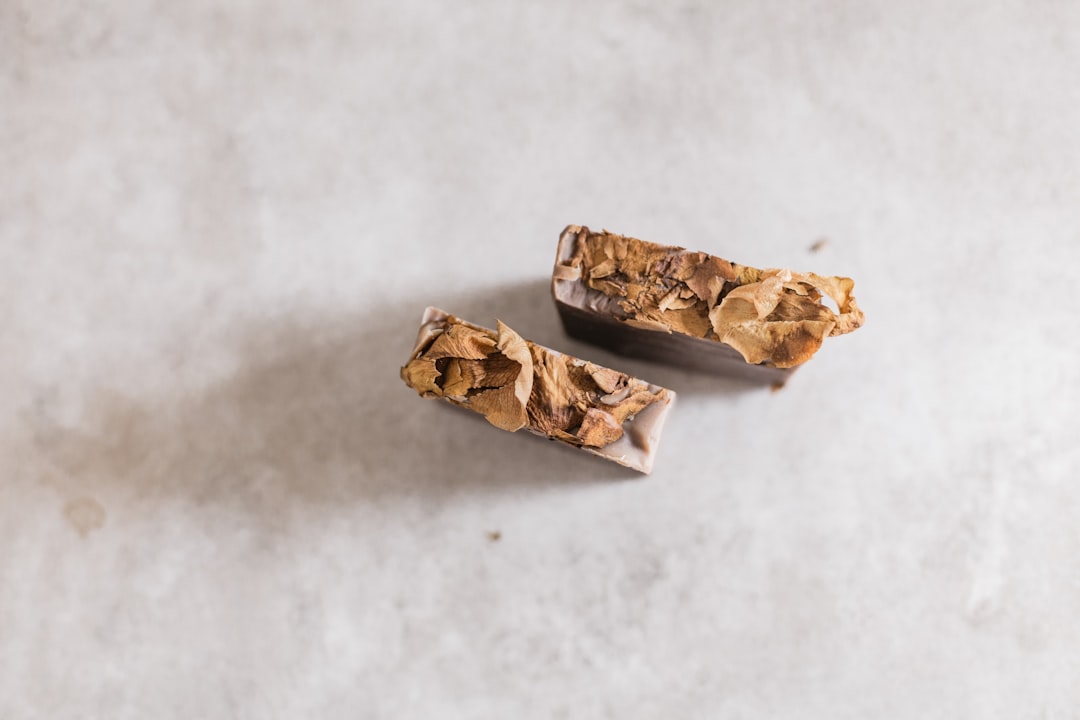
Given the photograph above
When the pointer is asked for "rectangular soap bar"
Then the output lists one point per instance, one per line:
(516, 384)
(693, 310)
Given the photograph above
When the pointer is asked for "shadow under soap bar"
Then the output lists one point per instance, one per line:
(693, 310)
(517, 385)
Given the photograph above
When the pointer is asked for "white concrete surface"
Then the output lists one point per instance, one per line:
(220, 222)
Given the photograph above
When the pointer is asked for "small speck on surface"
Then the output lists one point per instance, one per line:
(85, 514)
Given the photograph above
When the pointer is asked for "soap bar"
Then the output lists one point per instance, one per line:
(516, 384)
(692, 310)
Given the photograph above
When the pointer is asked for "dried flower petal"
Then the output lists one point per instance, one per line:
(514, 347)
(599, 429)
(606, 379)
(501, 407)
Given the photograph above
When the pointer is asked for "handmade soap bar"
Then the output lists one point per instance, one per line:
(694, 310)
(517, 384)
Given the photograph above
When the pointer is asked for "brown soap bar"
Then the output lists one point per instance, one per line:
(517, 384)
(693, 310)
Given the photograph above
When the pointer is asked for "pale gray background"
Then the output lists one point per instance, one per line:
(219, 226)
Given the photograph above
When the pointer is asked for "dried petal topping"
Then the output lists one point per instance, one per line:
(515, 383)
(771, 317)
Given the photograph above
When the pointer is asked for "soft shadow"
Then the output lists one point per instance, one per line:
(316, 412)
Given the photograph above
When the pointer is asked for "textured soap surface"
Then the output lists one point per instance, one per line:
(516, 384)
(628, 294)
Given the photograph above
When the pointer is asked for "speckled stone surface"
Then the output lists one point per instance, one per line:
(219, 226)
